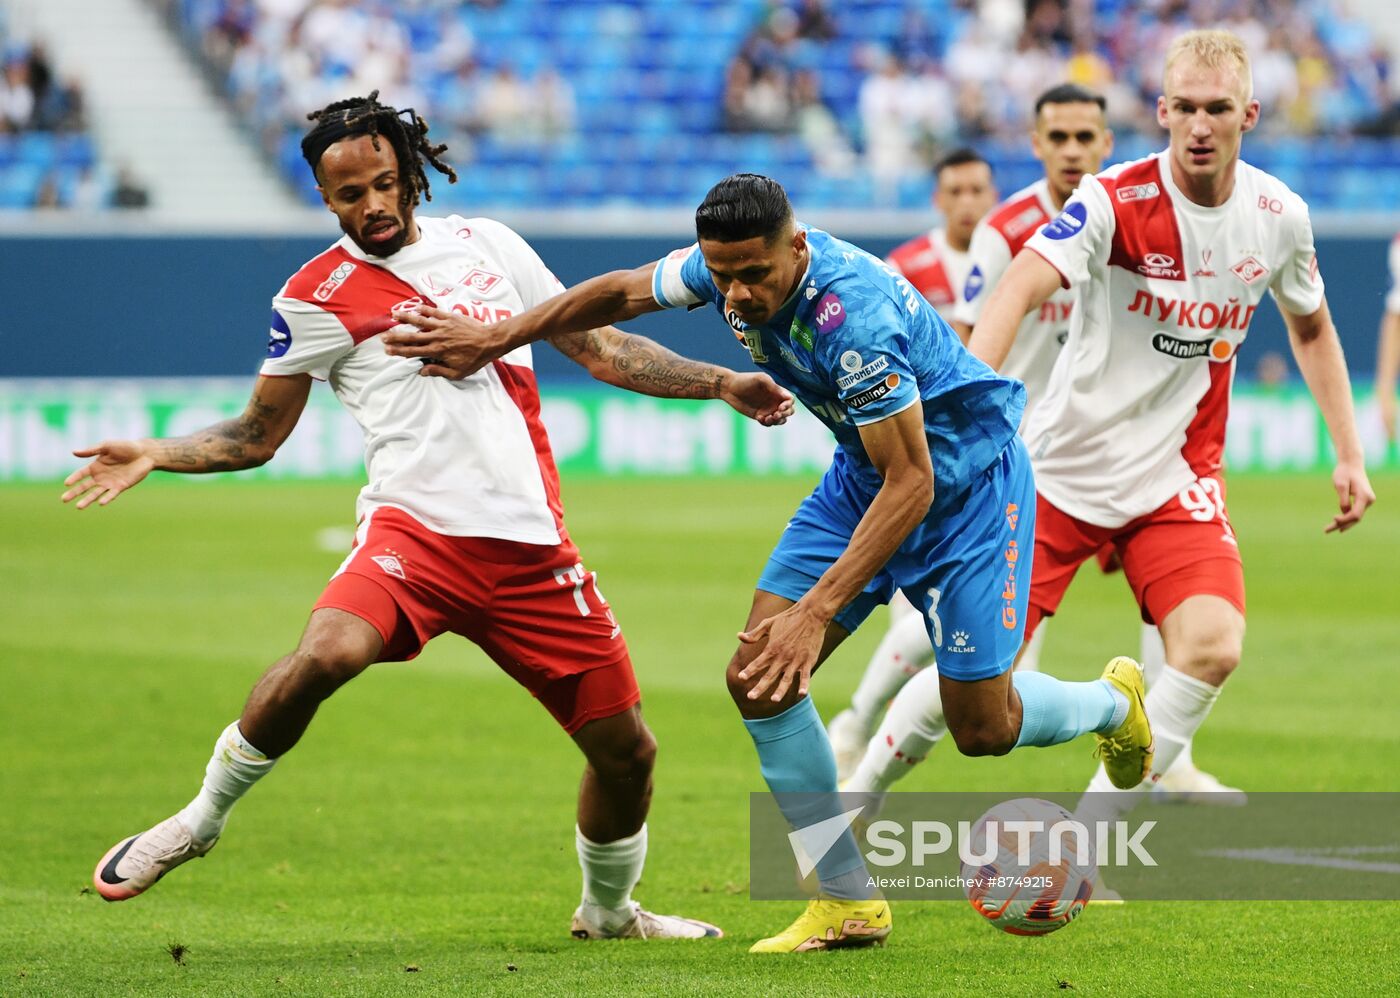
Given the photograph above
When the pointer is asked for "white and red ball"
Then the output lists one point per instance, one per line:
(1037, 896)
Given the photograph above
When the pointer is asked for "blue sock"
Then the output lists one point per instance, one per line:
(795, 757)
(1054, 711)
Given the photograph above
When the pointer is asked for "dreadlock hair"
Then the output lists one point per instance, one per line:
(366, 116)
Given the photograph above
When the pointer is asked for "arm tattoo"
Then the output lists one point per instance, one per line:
(642, 365)
(232, 445)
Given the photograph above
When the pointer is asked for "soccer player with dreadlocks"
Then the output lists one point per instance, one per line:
(460, 526)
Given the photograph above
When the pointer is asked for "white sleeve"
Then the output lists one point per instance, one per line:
(535, 282)
(1078, 240)
(304, 339)
(668, 281)
(1392, 300)
(990, 255)
(1297, 285)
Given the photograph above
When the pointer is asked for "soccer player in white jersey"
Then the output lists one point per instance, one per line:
(1388, 353)
(937, 262)
(460, 526)
(1171, 255)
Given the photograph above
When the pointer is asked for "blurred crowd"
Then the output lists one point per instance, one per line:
(32, 96)
(969, 71)
(282, 58)
(568, 100)
(47, 158)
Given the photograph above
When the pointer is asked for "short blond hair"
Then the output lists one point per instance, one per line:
(1213, 50)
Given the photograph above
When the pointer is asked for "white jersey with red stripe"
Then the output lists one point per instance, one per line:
(1042, 334)
(1392, 300)
(1137, 409)
(935, 268)
(467, 458)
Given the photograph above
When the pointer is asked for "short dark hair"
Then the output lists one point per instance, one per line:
(741, 207)
(366, 116)
(1070, 93)
(960, 157)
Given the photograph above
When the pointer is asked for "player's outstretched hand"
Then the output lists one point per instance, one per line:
(759, 397)
(794, 642)
(449, 344)
(119, 465)
(1354, 495)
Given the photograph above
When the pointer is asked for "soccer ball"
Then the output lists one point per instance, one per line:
(1014, 885)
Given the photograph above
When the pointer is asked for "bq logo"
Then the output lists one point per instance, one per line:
(332, 284)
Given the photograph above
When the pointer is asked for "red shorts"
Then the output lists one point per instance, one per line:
(531, 607)
(1186, 547)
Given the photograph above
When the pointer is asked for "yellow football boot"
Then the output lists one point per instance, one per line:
(1126, 751)
(829, 923)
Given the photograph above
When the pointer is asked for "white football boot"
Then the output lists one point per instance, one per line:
(1183, 783)
(645, 925)
(134, 865)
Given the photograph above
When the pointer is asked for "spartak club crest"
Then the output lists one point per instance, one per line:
(481, 281)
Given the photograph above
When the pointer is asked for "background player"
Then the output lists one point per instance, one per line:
(1388, 353)
(937, 262)
(461, 526)
(929, 491)
(1171, 256)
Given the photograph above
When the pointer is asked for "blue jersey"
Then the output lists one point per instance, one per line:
(856, 344)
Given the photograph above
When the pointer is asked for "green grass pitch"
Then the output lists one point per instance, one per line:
(420, 840)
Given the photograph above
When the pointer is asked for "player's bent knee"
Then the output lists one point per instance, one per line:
(324, 666)
(1213, 661)
(738, 688)
(626, 761)
(984, 739)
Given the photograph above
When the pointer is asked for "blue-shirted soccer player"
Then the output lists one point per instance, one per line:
(930, 491)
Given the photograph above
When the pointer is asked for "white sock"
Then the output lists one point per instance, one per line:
(1154, 660)
(234, 767)
(909, 732)
(903, 653)
(1152, 654)
(610, 871)
(1177, 706)
(1030, 658)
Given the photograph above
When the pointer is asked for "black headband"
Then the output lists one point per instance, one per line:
(332, 128)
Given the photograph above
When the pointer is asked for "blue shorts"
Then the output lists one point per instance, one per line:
(967, 566)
